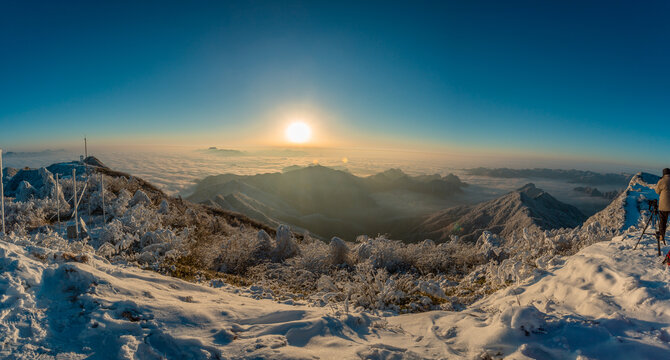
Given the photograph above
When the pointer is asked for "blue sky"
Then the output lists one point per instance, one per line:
(559, 79)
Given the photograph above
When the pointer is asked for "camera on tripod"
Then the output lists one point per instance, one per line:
(653, 218)
(653, 205)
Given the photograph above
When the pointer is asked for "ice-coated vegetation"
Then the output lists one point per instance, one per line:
(143, 226)
(313, 297)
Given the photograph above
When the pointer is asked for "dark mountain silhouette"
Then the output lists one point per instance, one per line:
(323, 200)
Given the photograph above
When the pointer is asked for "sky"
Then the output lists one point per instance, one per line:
(550, 79)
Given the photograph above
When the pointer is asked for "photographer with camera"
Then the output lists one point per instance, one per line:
(663, 190)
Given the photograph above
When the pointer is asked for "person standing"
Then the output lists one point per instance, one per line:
(663, 191)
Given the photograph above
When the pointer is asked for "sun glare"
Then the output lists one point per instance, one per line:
(298, 132)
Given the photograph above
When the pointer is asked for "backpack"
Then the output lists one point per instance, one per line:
(667, 259)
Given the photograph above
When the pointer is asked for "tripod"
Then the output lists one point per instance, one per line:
(653, 218)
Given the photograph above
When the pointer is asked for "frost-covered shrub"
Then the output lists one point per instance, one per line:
(285, 245)
(338, 251)
(384, 253)
(264, 241)
(21, 217)
(313, 257)
(25, 192)
(119, 205)
(139, 220)
(114, 236)
(159, 244)
(140, 197)
(239, 252)
(50, 240)
(374, 288)
(164, 207)
(160, 236)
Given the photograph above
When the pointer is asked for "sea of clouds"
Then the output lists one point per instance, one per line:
(176, 171)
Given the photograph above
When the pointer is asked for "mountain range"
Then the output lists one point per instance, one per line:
(526, 207)
(322, 200)
(328, 202)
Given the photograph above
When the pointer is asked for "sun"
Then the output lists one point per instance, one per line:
(298, 132)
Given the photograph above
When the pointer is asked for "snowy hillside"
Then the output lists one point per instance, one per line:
(252, 296)
(606, 302)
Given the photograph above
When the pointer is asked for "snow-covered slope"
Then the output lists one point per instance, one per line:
(88, 307)
(607, 301)
(625, 210)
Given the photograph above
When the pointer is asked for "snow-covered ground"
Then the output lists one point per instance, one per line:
(606, 302)
(60, 300)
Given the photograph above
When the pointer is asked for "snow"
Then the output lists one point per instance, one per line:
(52, 307)
(607, 301)
(63, 299)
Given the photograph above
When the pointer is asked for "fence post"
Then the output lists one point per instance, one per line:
(58, 203)
(88, 180)
(102, 192)
(2, 196)
(74, 189)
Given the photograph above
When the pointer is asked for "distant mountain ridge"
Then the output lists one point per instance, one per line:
(323, 200)
(594, 192)
(573, 176)
(527, 207)
(330, 202)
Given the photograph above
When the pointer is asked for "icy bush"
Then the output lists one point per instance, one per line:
(238, 253)
(119, 205)
(285, 245)
(25, 192)
(338, 251)
(313, 257)
(140, 197)
(139, 219)
(184, 239)
(115, 239)
(156, 245)
(164, 207)
(264, 241)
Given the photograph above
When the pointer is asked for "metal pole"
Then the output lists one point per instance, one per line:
(102, 191)
(85, 147)
(58, 202)
(74, 188)
(2, 196)
(88, 179)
